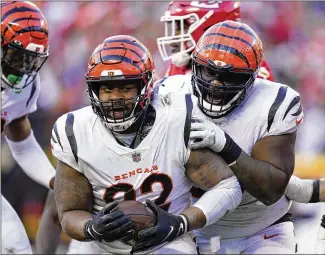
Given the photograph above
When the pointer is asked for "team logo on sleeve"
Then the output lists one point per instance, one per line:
(136, 157)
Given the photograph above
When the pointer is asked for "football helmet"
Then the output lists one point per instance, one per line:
(225, 63)
(185, 23)
(118, 61)
(24, 43)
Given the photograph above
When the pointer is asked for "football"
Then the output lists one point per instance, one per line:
(141, 216)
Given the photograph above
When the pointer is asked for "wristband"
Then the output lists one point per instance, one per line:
(231, 151)
(315, 195)
(186, 222)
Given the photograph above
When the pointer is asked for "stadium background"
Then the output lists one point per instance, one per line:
(293, 34)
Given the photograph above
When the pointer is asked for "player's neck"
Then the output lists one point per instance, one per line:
(139, 129)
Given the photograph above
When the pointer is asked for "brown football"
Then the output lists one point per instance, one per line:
(140, 215)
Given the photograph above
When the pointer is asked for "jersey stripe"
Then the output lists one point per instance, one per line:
(70, 135)
(298, 111)
(53, 139)
(275, 106)
(55, 128)
(32, 92)
(294, 101)
(187, 126)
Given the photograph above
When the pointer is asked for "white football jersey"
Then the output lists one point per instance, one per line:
(154, 170)
(269, 109)
(15, 105)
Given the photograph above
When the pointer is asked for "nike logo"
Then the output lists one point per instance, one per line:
(171, 230)
(299, 121)
(268, 237)
(181, 228)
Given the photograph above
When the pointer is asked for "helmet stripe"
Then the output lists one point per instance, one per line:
(122, 48)
(25, 18)
(30, 29)
(122, 59)
(138, 45)
(6, 4)
(227, 49)
(239, 39)
(17, 20)
(18, 9)
(240, 28)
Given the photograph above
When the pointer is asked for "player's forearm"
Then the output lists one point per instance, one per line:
(32, 159)
(195, 218)
(306, 191)
(73, 223)
(48, 236)
(261, 179)
(214, 204)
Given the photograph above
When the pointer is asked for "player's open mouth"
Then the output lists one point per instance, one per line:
(213, 100)
(118, 112)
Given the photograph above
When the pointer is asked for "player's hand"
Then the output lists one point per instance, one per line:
(205, 134)
(167, 228)
(109, 225)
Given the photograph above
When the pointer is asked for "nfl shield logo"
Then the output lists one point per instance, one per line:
(136, 157)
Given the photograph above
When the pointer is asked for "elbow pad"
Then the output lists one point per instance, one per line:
(32, 159)
(220, 200)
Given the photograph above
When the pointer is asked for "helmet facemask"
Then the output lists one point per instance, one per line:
(178, 42)
(121, 113)
(20, 66)
(220, 88)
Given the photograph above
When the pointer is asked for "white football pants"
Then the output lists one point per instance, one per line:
(14, 237)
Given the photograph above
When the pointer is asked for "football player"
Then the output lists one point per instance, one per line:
(24, 49)
(132, 144)
(251, 115)
(185, 23)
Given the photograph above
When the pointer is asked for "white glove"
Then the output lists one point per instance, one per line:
(205, 134)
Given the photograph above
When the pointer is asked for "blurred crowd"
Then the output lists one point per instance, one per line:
(293, 35)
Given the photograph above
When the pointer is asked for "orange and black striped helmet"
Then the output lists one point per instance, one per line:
(118, 61)
(24, 43)
(225, 64)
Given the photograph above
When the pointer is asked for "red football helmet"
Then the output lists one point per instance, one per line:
(185, 23)
(225, 63)
(24, 43)
(118, 61)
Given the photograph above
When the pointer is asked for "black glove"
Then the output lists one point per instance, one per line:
(168, 228)
(109, 225)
